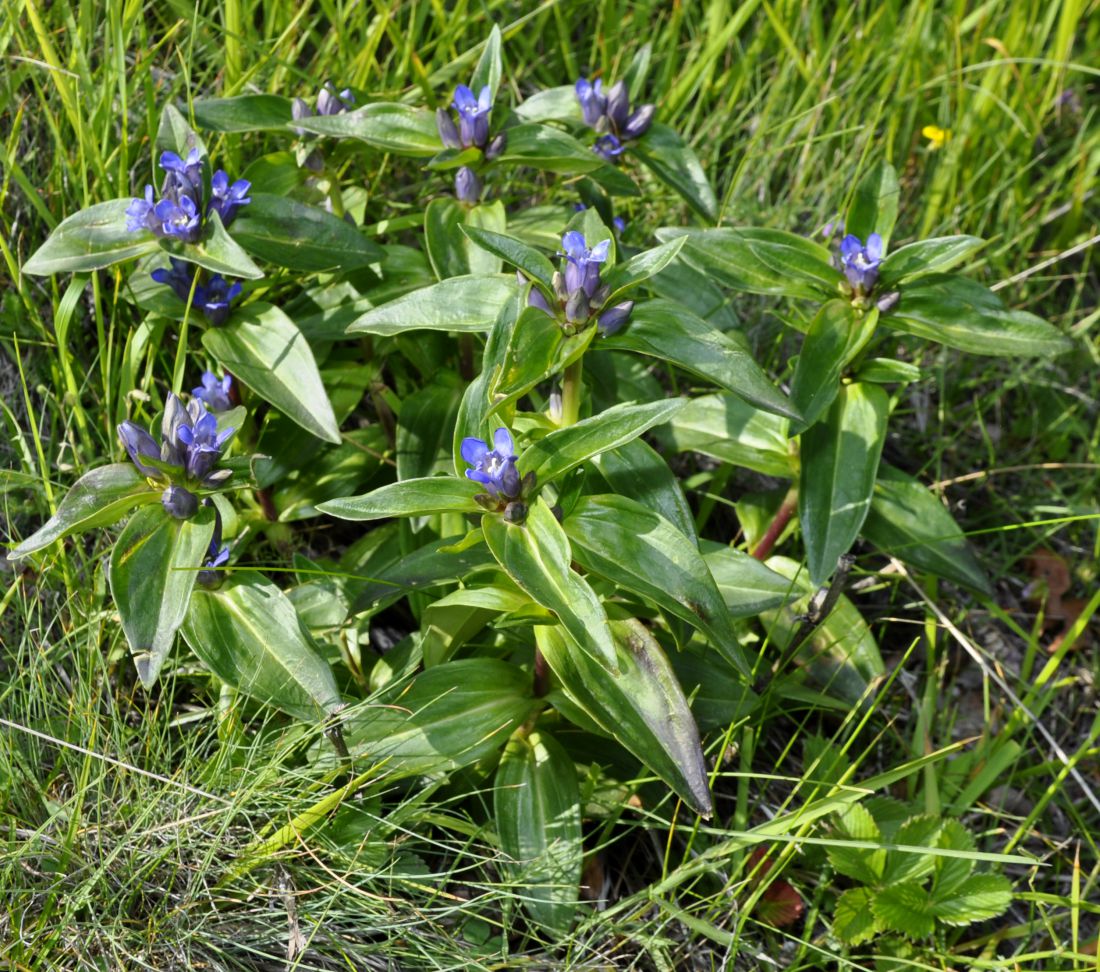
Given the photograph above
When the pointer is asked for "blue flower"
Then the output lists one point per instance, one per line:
(861, 263)
(582, 269)
(217, 554)
(189, 448)
(592, 99)
(608, 147)
(214, 392)
(213, 298)
(473, 115)
(184, 176)
(180, 218)
(226, 199)
(141, 213)
(494, 468)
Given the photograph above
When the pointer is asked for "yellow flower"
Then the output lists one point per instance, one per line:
(936, 136)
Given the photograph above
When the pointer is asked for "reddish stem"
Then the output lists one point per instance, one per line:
(777, 526)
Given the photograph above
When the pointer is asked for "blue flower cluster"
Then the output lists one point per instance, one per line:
(190, 447)
(579, 289)
(472, 131)
(610, 115)
(213, 297)
(180, 211)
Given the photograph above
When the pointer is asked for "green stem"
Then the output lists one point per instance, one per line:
(571, 393)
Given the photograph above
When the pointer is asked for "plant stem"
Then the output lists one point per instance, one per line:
(778, 524)
(571, 393)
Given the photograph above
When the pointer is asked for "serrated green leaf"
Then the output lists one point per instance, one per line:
(950, 872)
(855, 823)
(904, 908)
(978, 898)
(853, 920)
(911, 865)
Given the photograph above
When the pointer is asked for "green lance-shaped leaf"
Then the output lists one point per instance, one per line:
(513, 251)
(641, 705)
(175, 134)
(443, 239)
(425, 428)
(459, 304)
(643, 553)
(567, 448)
(640, 267)
(637, 470)
(537, 349)
(874, 207)
(291, 234)
(908, 521)
(248, 634)
(243, 113)
(475, 407)
(537, 556)
(97, 499)
(836, 335)
(729, 429)
(925, 256)
(746, 585)
(218, 252)
(672, 161)
(385, 126)
(761, 261)
(263, 347)
(410, 497)
(450, 715)
(489, 65)
(153, 569)
(665, 330)
(840, 458)
(963, 314)
(489, 216)
(537, 809)
(91, 239)
(551, 104)
(550, 149)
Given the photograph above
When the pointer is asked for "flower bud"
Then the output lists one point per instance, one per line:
(140, 444)
(576, 307)
(496, 146)
(618, 105)
(614, 317)
(887, 302)
(467, 185)
(448, 132)
(179, 502)
(638, 123)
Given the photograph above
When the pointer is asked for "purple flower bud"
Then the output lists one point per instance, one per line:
(448, 133)
(535, 297)
(329, 102)
(614, 317)
(618, 105)
(180, 502)
(299, 109)
(637, 124)
(592, 100)
(619, 224)
(577, 308)
(214, 392)
(467, 185)
(217, 554)
(183, 176)
(496, 146)
(139, 445)
(179, 277)
(887, 302)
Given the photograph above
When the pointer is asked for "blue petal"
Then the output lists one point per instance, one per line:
(473, 450)
(850, 246)
(874, 247)
(574, 245)
(502, 439)
(485, 99)
(599, 251)
(464, 99)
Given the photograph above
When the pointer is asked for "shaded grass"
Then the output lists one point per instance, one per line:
(103, 867)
